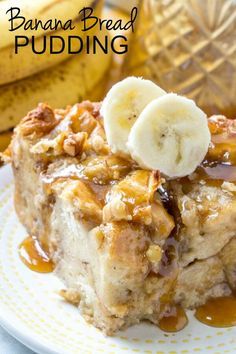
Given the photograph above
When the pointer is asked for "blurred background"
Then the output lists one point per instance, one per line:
(186, 46)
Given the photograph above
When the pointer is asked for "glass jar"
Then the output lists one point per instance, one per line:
(188, 47)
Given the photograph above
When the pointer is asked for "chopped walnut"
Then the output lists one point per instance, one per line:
(154, 253)
(74, 143)
(96, 109)
(72, 296)
(82, 119)
(55, 146)
(115, 210)
(87, 122)
(223, 132)
(217, 124)
(97, 143)
(105, 169)
(64, 142)
(62, 112)
(88, 106)
(39, 121)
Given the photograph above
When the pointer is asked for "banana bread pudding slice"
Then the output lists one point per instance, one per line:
(125, 242)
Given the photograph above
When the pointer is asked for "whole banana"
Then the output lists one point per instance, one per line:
(66, 83)
(17, 66)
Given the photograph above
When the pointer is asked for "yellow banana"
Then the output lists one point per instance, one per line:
(17, 66)
(66, 83)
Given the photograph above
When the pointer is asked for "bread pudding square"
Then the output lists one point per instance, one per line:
(121, 252)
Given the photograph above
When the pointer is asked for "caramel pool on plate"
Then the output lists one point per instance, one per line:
(218, 312)
(174, 320)
(34, 256)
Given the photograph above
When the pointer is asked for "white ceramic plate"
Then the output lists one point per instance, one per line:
(31, 310)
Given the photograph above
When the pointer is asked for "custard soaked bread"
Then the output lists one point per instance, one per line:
(126, 242)
(107, 249)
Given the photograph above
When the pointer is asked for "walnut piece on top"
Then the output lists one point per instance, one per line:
(40, 121)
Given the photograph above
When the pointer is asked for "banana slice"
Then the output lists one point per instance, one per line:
(122, 106)
(170, 135)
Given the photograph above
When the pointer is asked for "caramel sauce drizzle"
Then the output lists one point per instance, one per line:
(217, 312)
(34, 256)
(174, 319)
(171, 247)
(218, 166)
(220, 161)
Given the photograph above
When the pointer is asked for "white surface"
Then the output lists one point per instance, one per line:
(31, 310)
(9, 345)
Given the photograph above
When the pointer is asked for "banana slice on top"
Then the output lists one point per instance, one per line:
(123, 105)
(171, 135)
